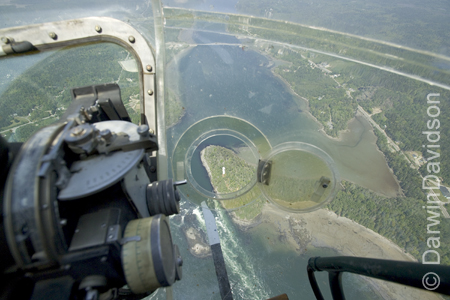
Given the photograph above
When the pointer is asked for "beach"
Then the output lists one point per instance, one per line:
(323, 228)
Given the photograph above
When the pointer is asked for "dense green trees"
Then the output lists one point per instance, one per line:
(44, 89)
(400, 219)
(237, 175)
(328, 101)
(403, 105)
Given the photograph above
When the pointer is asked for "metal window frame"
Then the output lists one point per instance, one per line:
(54, 35)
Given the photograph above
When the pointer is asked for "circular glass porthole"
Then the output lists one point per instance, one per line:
(219, 157)
(222, 164)
(298, 177)
(227, 158)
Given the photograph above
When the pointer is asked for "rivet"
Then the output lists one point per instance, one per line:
(52, 35)
(6, 40)
(98, 29)
(150, 92)
(143, 130)
(151, 131)
(149, 68)
(131, 39)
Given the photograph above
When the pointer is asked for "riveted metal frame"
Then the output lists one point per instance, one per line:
(49, 36)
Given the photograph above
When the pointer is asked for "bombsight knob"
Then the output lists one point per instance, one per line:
(163, 198)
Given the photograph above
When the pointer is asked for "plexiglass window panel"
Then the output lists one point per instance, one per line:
(240, 82)
(36, 89)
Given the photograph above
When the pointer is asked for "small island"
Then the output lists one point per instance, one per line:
(195, 236)
(230, 171)
(197, 244)
(226, 170)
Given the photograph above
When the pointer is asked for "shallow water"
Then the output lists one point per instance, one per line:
(225, 80)
(241, 85)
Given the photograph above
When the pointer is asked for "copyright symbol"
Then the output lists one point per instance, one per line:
(431, 281)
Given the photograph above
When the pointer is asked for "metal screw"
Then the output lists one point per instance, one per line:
(52, 35)
(77, 131)
(149, 68)
(143, 130)
(77, 230)
(104, 259)
(110, 236)
(63, 222)
(131, 39)
(6, 40)
(98, 29)
(150, 92)
(44, 206)
(111, 228)
(151, 131)
(106, 134)
(152, 169)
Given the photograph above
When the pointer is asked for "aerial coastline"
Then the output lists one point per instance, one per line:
(324, 229)
(291, 89)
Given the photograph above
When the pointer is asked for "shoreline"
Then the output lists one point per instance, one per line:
(324, 229)
(197, 244)
(174, 75)
(322, 127)
(206, 166)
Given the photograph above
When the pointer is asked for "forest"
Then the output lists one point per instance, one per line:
(44, 89)
(401, 104)
(414, 24)
(400, 219)
(402, 101)
(237, 175)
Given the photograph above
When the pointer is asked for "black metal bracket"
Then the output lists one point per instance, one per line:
(100, 102)
(264, 171)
